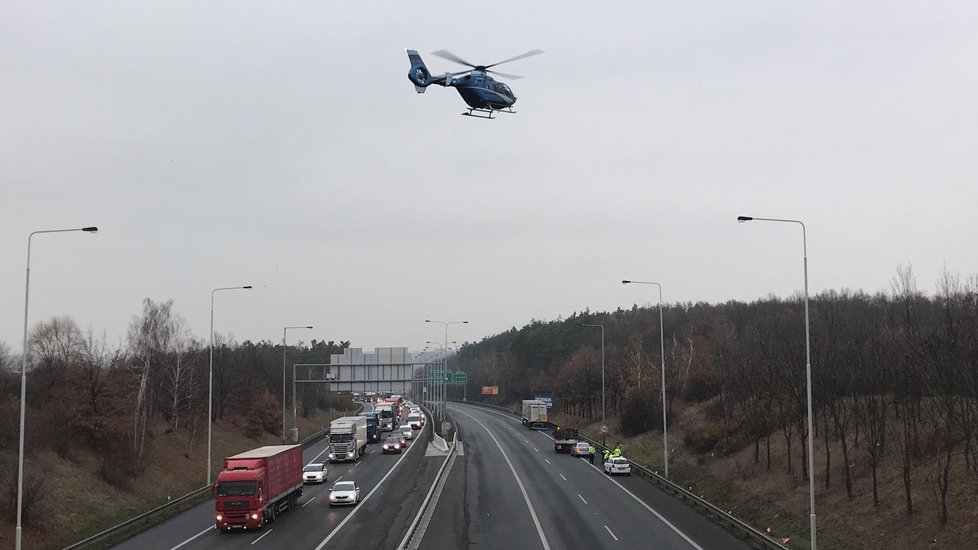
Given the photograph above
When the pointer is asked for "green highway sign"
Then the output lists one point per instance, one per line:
(461, 377)
(440, 376)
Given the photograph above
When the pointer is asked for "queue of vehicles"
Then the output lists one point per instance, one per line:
(257, 485)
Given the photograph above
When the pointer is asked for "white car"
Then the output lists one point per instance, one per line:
(314, 473)
(618, 465)
(407, 431)
(344, 492)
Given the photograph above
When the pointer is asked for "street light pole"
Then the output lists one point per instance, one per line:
(808, 368)
(285, 331)
(210, 377)
(662, 354)
(603, 420)
(443, 386)
(23, 380)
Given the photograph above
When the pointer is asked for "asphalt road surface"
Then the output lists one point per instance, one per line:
(516, 492)
(391, 490)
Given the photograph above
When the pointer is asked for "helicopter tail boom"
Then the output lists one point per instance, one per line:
(420, 76)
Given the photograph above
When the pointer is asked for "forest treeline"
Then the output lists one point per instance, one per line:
(86, 395)
(895, 375)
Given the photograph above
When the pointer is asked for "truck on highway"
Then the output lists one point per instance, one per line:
(347, 438)
(534, 414)
(565, 439)
(388, 416)
(257, 485)
(373, 426)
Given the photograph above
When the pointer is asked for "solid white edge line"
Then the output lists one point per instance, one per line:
(214, 527)
(610, 533)
(359, 504)
(308, 501)
(263, 536)
(620, 486)
(526, 497)
(650, 509)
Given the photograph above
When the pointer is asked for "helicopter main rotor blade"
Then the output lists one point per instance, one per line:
(504, 75)
(530, 53)
(445, 54)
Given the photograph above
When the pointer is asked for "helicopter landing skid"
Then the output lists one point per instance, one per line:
(487, 113)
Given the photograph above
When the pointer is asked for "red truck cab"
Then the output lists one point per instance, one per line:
(257, 485)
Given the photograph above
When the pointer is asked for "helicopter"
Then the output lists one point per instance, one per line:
(483, 94)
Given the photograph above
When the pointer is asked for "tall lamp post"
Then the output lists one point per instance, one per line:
(662, 354)
(444, 353)
(603, 421)
(442, 386)
(285, 348)
(23, 379)
(808, 368)
(210, 377)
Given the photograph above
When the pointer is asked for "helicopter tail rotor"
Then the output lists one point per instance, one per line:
(421, 77)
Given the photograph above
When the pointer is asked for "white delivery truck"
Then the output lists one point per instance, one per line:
(534, 414)
(347, 438)
(388, 416)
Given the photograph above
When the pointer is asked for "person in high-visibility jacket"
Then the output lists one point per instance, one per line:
(593, 451)
(617, 452)
(606, 454)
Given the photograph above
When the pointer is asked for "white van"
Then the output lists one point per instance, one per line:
(415, 420)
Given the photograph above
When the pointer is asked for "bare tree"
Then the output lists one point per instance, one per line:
(149, 338)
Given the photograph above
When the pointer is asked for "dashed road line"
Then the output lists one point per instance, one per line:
(582, 498)
(562, 476)
(184, 543)
(610, 533)
(263, 536)
(548, 461)
(308, 502)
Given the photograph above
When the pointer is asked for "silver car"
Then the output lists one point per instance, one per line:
(344, 492)
(406, 431)
(314, 473)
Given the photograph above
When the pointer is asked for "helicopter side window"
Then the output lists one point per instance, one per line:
(503, 89)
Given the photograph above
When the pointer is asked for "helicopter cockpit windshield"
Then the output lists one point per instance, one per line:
(503, 89)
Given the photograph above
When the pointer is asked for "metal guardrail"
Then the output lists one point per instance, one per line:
(755, 538)
(412, 529)
(148, 519)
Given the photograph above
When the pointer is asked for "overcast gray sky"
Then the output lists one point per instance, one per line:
(280, 144)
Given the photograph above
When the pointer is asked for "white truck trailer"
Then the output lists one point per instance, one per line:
(347, 438)
(534, 414)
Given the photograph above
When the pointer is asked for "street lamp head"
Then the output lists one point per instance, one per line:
(308, 327)
(247, 287)
(427, 320)
(92, 229)
(743, 219)
(465, 322)
(625, 282)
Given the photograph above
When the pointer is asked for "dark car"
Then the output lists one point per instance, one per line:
(392, 445)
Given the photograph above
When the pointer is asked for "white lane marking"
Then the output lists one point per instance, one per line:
(537, 450)
(610, 533)
(212, 527)
(525, 439)
(263, 536)
(562, 476)
(359, 505)
(308, 501)
(582, 498)
(650, 509)
(355, 466)
(620, 486)
(337, 479)
(526, 497)
(548, 460)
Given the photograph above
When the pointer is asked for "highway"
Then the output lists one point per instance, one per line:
(512, 491)
(391, 490)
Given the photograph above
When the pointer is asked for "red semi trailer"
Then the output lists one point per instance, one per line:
(257, 485)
